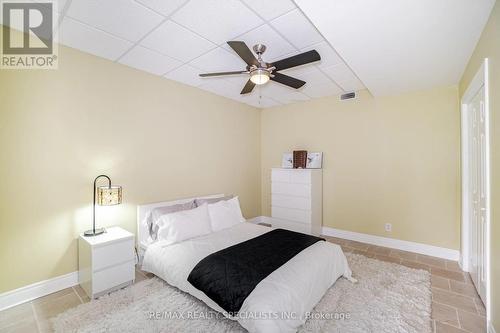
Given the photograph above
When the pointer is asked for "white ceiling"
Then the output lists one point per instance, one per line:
(179, 39)
(388, 46)
(396, 46)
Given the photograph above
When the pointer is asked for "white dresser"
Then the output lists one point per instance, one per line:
(106, 262)
(296, 199)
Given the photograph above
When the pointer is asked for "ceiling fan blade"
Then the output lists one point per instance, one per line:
(223, 73)
(288, 80)
(248, 87)
(297, 60)
(244, 52)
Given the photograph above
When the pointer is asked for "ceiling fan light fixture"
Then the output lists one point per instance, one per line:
(261, 72)
(259, 76)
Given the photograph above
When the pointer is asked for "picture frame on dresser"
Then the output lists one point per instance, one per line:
(287, 160)
(314, 160)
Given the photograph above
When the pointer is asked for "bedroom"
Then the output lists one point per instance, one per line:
(119, 93)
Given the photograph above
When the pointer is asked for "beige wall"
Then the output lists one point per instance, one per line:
(159, 139)
(489, 47)
(386, 160)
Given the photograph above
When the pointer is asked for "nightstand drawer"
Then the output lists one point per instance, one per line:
(113, 276)
(112, 254)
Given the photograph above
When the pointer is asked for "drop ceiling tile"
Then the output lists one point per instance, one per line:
(217, 20)
(274, 59)
(309, 73)
(149, 61)
(315, 77)
(276, 45)
(322, 90)
(354, 85)
(328, 55)
(297, 29)
(219, 60)
(282, 94)
(270, 9)
(291, 98)
(273, 89)
(257, 100)
(177, 42)
(344, 77)
(222, 88)
(187, 75)
(126, 18)
(237, 80)
(265, 102)
(163, 7)
(59, 4)
(82, 37)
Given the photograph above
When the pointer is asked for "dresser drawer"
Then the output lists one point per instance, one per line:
(297, 215)
(280, 175)
(301, 190)
(290, 201)
(112, 254)
(300, 177)
(113, 276)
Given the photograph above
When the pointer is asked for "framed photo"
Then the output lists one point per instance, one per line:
(314, 160)
(287, 161)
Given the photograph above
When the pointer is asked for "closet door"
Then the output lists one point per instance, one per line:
(478, 196)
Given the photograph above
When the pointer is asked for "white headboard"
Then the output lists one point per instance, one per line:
(143, 210)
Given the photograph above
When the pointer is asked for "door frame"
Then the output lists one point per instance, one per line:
(480, 79)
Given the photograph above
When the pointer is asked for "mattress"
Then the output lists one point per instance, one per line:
(280, 302)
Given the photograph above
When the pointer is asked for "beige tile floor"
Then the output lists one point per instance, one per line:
(456, 306)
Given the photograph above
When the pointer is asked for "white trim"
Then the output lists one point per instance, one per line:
(491, 329)
(430, 250)
(480, 79)
(393, 243)
(464, 258)
(36, 290)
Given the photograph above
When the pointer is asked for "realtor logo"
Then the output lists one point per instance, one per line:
(27, 35)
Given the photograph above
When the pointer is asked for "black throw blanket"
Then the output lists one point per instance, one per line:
(229, 275)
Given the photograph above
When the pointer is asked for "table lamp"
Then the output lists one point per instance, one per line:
(106, 196)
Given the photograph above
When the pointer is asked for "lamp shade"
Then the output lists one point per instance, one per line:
(108, 196)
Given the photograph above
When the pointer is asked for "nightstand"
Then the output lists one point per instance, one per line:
(106, 262)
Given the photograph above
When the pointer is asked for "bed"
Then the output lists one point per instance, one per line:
(279, 303)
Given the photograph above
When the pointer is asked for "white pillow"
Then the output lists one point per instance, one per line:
(179, 226)
(225, 214)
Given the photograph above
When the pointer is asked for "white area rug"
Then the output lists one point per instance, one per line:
(387, 298)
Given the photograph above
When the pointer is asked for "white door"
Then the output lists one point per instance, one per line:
(478, 179)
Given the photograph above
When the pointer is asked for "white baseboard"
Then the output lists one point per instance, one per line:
(430, 250)
(491, 329)
(36, 290)
(398, 244)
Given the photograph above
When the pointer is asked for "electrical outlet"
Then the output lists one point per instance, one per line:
(388, 227)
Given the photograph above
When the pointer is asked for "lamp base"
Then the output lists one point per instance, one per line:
(90, 233)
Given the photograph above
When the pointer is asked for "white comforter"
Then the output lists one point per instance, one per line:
(280, 302)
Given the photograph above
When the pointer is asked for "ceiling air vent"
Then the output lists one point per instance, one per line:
(350, 95)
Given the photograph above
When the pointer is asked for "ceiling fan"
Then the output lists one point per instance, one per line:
(261, 72)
